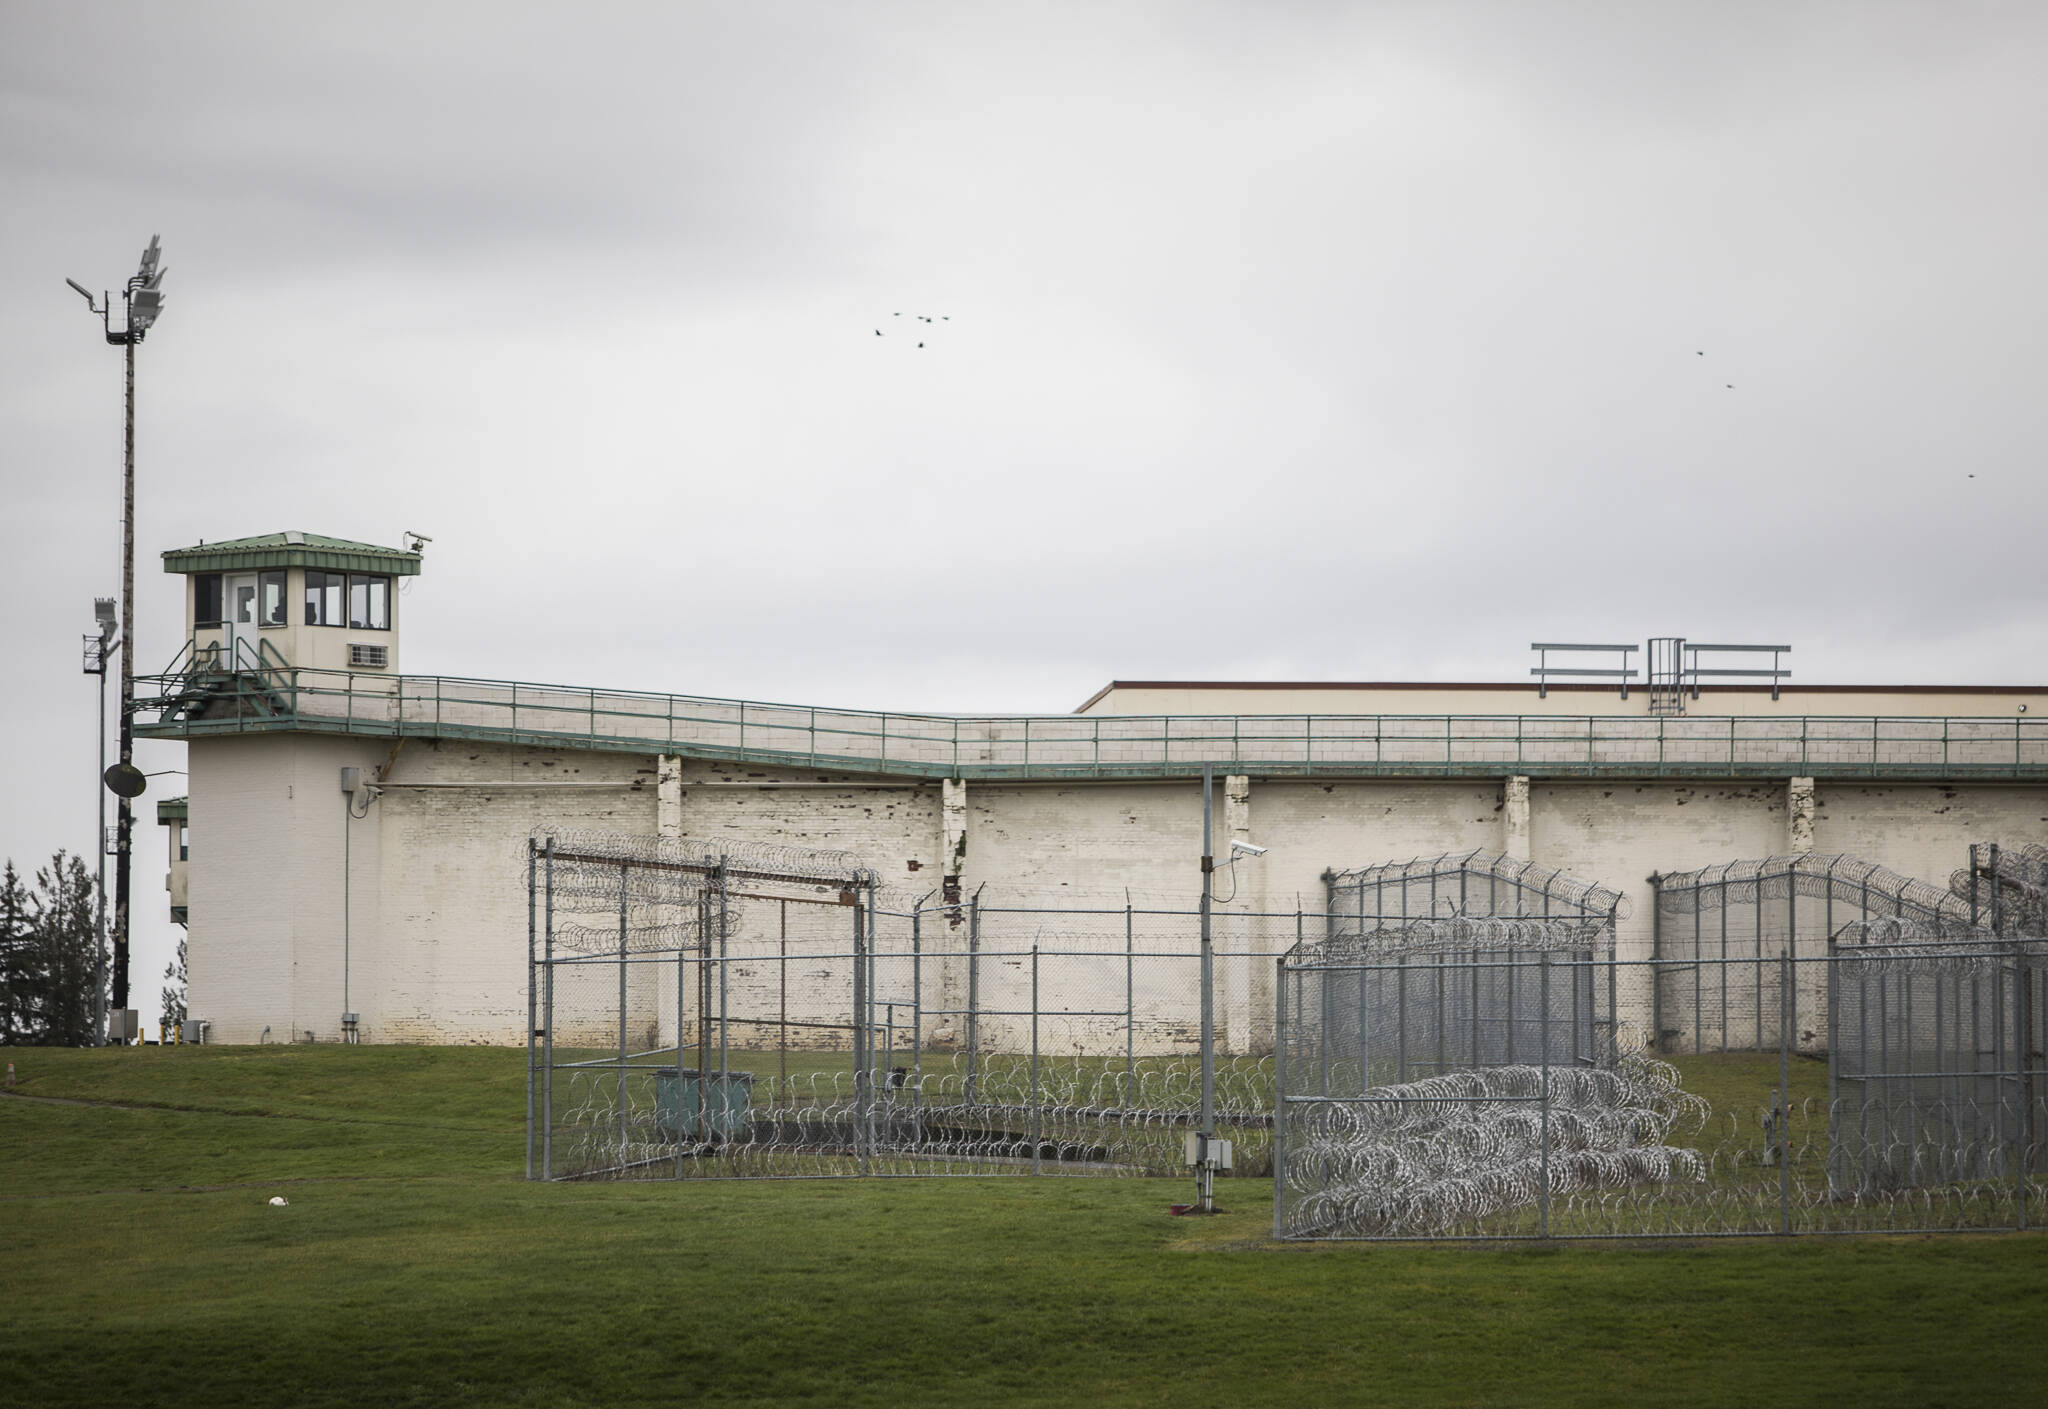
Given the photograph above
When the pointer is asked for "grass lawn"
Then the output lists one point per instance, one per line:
(141, 1263)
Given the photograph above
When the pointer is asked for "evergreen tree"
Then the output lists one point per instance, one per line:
(50, 955)
(68, 951)
(174, 986)
(18, 1003)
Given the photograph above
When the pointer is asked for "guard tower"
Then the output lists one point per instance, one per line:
(284, 600)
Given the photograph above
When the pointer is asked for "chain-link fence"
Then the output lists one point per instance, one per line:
(1935, 1059)
(1718, 933)
(720, 1013)
(1923, 1112)
(1443, 1072)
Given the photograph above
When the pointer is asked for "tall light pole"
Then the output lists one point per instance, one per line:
(96, 648)
(1205, 1166)
(142, 302)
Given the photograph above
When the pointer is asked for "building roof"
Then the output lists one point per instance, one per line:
(1528, 687)
(171, 809)
(291, 549)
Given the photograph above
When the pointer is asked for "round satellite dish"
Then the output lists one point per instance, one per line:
(125, 780)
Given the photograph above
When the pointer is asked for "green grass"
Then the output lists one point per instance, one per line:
(141, 1263)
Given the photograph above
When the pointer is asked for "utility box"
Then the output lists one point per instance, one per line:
(122, 1025)
(1219, 1151)
(193, 1030)
(702, 1107)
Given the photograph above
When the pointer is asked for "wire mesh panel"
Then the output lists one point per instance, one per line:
(1925, 1115)
(1460, 995)
(738, 1012)
(1449, 1076)
(1936, 1062)
(1718, 933)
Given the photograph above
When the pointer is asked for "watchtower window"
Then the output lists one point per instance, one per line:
(271, 587)
(324, 593)
(206, 599)
(369, 602)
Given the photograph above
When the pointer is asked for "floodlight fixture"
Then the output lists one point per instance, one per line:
(86, 294)
(103, 613)
(144, 307)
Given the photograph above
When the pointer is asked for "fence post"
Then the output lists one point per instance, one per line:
(532, 995)
(1543, 1041)
(1130, 1005)
(2025, 1047)
(547, 1101)
(917, 1023)
(1034, 1059)
(1401, 1017)
(782, 1011)
(1784, 1089)
(861, 1037)
(1997, 892)
(1280, 1082)
(625, 874)
(682, 979)
(973, 991)
(1835, 1160)
(1613, 988)
(1656, 1042)
(724, 978)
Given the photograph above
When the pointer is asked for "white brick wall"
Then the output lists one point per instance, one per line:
(438, 942)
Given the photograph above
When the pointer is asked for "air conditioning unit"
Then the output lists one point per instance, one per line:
(368, 657)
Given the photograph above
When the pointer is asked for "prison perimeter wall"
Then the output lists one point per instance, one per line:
(409, 908)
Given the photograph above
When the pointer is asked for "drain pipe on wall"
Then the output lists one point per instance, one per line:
(351, 784)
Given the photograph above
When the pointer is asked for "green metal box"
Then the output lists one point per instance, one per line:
(703, 1107)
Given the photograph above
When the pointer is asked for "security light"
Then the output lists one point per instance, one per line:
(84, 293)
(144, 308)
(145, 290)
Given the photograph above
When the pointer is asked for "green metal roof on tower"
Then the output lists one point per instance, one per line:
(292, 549)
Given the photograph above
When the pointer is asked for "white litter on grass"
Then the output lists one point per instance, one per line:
(277, 1201)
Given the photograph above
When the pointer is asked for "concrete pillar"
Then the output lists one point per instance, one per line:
(668, 796)
(1799, 815)
(947, 980)
(1515, 817)
(1237, 808)
(952, 834)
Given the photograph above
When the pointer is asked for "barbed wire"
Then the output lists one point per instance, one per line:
(1463, 934)
(1424, 1157)
(1837, 875)
(1585, 895)
(2015, 888)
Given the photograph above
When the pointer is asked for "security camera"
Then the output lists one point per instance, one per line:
(1247, 848)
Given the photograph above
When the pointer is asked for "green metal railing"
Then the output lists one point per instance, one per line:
(200, 702)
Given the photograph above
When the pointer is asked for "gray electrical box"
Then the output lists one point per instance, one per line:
(351, 779)
(193, 1030)
(121, 1025)
(1219, 1151)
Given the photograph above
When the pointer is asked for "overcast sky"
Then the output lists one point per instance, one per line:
(1292, 341)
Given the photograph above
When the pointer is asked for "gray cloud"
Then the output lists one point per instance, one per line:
(1287, 340)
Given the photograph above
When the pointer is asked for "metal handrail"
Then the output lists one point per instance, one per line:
(1092, 745)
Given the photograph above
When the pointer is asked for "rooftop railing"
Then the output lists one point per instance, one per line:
(201, 702)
